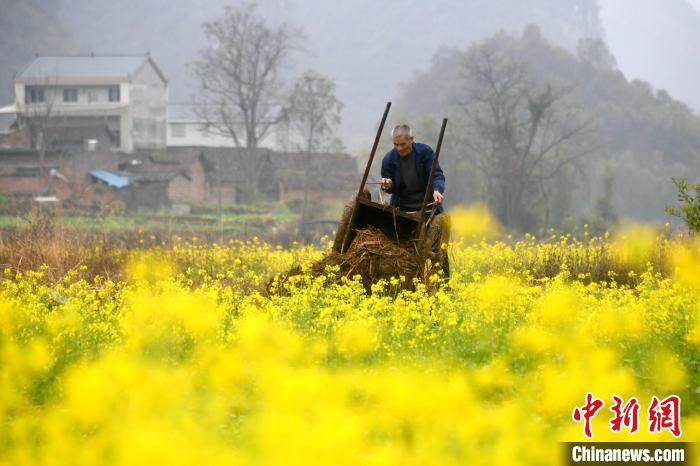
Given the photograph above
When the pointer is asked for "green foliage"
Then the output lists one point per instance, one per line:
(207, 208)
(689, 210)
(282, 213)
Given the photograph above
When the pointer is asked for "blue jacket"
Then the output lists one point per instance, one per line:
(391, 168)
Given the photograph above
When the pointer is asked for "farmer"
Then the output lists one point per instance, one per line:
(405, 173)
(408, 165)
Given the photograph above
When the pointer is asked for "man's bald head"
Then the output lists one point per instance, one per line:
(403, 139)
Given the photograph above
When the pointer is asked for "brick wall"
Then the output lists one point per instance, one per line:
(24, 185)
(16, 139)
(184, 191)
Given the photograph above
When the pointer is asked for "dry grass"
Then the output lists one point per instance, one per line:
(61, 250)
(374, 257)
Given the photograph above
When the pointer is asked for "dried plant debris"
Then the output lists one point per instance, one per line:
(373, 256)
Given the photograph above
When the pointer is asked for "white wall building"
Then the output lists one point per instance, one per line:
(120, 99)
(187, 129)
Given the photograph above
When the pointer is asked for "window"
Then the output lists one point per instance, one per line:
(27, 172)
(117, 138)
(34, 94)
(114, 94)
(70, 95)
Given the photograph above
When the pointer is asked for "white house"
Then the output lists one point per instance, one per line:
(187, 129)
(120, 100)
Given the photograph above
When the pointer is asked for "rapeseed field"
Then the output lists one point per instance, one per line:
(192, 357)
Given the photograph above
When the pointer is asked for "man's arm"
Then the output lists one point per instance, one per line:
(386, 175)
(438, 177)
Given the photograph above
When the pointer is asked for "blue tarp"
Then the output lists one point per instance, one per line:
(111, 179)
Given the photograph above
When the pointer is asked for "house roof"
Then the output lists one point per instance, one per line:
(229, 163)
(9, 109)
(155, 176)
(143, 161)
(81, 68)
(110, 178)
(175, 155)
(322, 162)
(332, 171)
(25, 154)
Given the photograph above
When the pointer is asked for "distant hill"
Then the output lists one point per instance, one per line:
(28, 27)
(643, 137)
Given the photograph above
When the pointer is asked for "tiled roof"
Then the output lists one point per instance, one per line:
(228, 164)
(81, 67)
(154, 176)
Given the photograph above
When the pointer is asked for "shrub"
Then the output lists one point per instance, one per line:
(689, 210)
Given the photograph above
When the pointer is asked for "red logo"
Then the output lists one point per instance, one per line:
(627, 415)
(665, 414)
(662, 414)
(587, 411)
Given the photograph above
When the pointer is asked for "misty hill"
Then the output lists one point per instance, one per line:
(28, 27)
(642, 136)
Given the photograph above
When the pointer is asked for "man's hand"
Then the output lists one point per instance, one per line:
(438, 197)
(386, 184)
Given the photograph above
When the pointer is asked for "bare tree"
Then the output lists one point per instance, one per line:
(520, 133)
(37, 114)
(239, 73)
(314, 113)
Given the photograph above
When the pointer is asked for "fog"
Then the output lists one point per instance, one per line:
(653, 40)
(368, 48)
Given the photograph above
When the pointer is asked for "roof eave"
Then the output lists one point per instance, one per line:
(72, 80)
(155, 67)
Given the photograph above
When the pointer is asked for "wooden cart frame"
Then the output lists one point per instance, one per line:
(393, 222)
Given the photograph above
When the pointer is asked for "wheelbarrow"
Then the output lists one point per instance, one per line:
(395, 223)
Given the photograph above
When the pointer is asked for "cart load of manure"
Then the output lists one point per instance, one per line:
(373, 256)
